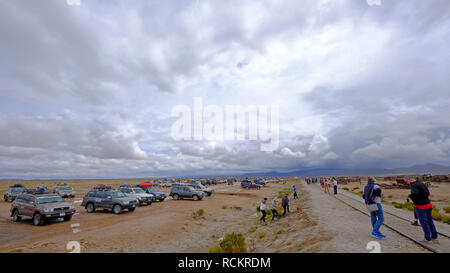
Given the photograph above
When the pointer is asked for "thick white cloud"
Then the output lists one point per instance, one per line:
(87, 91)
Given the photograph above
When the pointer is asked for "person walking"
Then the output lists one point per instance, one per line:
(416, 218)
(262, 209)
(326, 188)
(372, 198)
(273, 208)
(285, 204)
(295, 192)
(423, 208)
(335, 186)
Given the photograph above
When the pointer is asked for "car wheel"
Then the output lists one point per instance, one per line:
(90, 208)
(16, 217)
(68, 218)
(149, 203)
(117, 209)
(37, 219)
(195, 197)
(131, 209)
(175, 197)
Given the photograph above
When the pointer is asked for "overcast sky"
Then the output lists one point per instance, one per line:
(87, 91)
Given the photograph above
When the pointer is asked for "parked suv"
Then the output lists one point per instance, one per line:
(40, 207)
(184, 191)
(249, 185)
(160, 196)
(108, 199)
(200, 187)
(260, 182)
(64, 191)
(13, 191)
(139, 194)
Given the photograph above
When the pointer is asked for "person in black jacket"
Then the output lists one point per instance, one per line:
(423, 208)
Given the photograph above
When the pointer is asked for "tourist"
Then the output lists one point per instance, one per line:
(285, 204)
(263, 208)
(295, 192)
(325, 186)
(335, 186)
(372, 197)
(423, 208)
(273, 208)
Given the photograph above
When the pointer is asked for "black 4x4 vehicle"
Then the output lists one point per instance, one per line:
(41, 206)
(13, 191)
(107, 198)
(179, 192)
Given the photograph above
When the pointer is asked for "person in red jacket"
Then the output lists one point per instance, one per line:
(423, 208)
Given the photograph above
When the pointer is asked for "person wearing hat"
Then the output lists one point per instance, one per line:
(372, 198)
(423, 208)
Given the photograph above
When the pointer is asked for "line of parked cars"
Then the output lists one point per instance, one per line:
(42, 205)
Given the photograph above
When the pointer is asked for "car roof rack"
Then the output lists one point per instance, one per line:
(102, 187)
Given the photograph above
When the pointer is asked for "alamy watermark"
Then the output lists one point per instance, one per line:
(373, 2)
(216, 123)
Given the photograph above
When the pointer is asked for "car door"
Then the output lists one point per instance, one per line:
(28, 205)
(99, 199)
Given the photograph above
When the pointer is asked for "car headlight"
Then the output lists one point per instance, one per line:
(71, 207)
(48, 210)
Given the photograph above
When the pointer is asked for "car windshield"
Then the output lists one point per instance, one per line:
(48, 199)
(17, 190)
(65, 188)
(138, 190)
(117, 194)
(201, 186)
(152, 189)
(190, 188)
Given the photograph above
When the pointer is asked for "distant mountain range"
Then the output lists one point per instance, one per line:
(416, 169)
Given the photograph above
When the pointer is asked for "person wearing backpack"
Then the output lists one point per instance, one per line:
(372, 198)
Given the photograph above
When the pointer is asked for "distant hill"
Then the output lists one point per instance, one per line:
(416, 169)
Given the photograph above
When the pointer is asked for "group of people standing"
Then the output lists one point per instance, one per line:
(324, 183)
(422, 208)
(273, 206)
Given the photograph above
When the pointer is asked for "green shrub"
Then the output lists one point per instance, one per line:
(447, 209)
(355, 188)
(261, 235)
(345, 189)
(216, 249)
(253, 229)
(233, 243)
(198, 214)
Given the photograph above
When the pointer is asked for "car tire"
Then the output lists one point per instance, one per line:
(37, 219)
(175, 197)
(131, 209)
(117, 209)
(67, 218)
(15, 216)
(149, 203)
(90, 208)
(195, 197)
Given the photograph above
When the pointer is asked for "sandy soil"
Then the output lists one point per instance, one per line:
(167, 226)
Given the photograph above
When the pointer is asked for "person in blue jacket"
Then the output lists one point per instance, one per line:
(372, 195)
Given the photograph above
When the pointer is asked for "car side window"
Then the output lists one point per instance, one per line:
(100, 194)
(91, 194)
